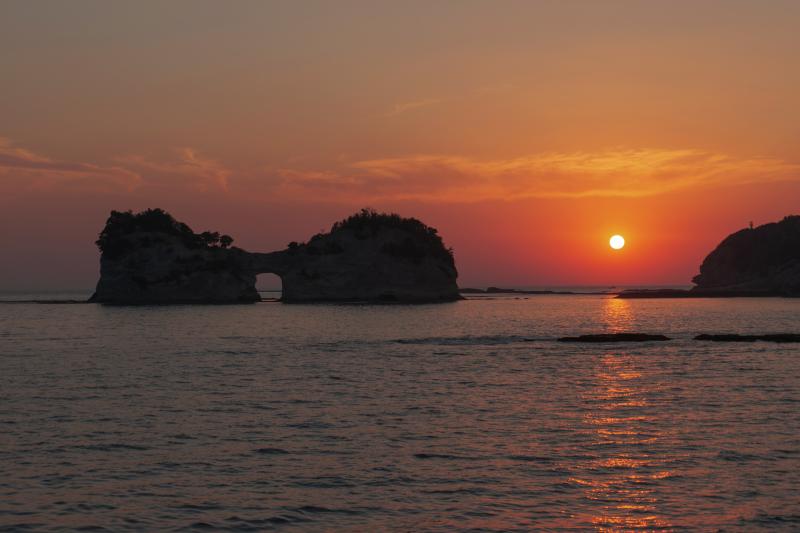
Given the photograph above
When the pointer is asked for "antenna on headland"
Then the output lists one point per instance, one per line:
(751, 224)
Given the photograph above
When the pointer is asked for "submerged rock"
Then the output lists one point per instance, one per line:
(732, 337)
(150, 257)
(615, 337)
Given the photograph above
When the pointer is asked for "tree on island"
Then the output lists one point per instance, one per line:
(215, 240)
(419, 241)
(113, 240)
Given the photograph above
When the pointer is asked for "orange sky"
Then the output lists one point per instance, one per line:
(527, 132)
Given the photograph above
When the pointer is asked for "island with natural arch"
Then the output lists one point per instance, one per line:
(151, 258)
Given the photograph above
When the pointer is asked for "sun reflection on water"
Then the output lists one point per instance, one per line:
(619, 479)
(617, 314)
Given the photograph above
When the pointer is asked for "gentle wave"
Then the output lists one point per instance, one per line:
(352, 418)
(469, 340)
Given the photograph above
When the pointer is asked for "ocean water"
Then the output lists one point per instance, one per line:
(463, 416)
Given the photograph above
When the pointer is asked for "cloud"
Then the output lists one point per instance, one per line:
(423, 177)
(23, 169)
(186, 168)
(621, 173)
(404, 107)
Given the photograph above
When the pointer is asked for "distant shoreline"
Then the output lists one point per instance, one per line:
(655, 293)
(499, 290)
(45, 301)
(697, 293)
(632, 294)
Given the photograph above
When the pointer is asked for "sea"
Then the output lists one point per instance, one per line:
(467, 416)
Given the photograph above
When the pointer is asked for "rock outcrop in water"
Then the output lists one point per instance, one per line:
(150, 257)
(762, 259)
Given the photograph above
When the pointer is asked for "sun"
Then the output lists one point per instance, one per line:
(616, 242)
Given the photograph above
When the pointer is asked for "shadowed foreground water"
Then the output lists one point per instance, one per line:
(456, 416)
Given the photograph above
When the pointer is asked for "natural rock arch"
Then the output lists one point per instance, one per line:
(150, 257)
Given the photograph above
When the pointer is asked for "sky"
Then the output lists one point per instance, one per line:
(526, 132)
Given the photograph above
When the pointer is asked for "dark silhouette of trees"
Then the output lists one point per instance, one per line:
(421, 240)
(413, 240)
(114, 239)
(210, 239)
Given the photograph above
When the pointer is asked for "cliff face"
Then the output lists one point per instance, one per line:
(763, 259)
(371, 257)
(151, 258)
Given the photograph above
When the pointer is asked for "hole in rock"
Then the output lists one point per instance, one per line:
(269, 286)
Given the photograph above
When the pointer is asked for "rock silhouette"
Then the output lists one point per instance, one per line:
(765, 258)
(151, 258)
(753, 262)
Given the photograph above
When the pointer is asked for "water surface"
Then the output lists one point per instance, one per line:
(454, 416)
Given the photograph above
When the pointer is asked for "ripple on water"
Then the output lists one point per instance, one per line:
(463, 417)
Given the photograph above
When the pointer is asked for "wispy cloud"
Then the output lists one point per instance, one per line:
(22, 169)
(25, 169)
(186, 167)
(404, 107)
(622, 172)
(424, 177)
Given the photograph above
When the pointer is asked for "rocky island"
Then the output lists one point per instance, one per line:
(151, 258)
(760, 261)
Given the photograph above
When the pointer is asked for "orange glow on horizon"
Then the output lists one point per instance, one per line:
(524, 155)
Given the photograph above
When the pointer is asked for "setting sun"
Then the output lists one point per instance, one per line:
(318, 200)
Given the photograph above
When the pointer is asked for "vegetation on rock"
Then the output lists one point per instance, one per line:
(149, 257)
(421, 240)
(114, 240)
